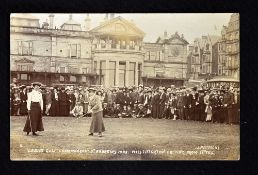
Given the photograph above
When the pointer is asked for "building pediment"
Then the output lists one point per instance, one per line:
(118, 26)
(24, 60)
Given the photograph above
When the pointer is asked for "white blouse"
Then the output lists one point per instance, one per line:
(35, 96)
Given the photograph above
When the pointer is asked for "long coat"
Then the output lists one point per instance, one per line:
(162, 101)
(54, 109)
(63, 104)
(155, 105)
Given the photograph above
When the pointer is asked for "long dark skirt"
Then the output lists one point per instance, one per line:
(64, 109)
(34, 120)
(54, 109)
(97, 124)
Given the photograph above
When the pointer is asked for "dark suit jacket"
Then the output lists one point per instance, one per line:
(163, 98)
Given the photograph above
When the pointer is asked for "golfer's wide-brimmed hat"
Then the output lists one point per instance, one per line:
(36, 84)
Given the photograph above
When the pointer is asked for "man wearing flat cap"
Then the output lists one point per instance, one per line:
(35, 109)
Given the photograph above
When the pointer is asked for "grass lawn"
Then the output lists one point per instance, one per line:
(66, 138)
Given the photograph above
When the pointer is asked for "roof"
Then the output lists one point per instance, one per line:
(168, 39)
(24, 60)
(71, 22)
(24, 16)
(117, 19)
(214, 39)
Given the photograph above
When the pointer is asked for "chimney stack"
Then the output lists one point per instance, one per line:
(87, 23)
(165, 34)
(106, 17)
(112, 15)
(51, 21)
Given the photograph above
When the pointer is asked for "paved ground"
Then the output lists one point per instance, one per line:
(66, 138)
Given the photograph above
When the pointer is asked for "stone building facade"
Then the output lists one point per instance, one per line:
(231, 42)
(203, 57)
(210, 56)
(111, 54)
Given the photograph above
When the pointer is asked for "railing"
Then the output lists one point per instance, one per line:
(48, 31)
(116, 47)
(233, 66)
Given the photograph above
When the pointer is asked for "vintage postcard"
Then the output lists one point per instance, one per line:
(124, 86)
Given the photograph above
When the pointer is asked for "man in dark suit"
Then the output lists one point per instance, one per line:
(63, 103)
(120, 98)
(180, 104)
(227, 102)
(194, 109)
(140, 98)
(155, 104)
(162, 101)
(200, 106)
(188, 105)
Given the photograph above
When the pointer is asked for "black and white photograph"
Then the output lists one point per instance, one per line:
(124, 86)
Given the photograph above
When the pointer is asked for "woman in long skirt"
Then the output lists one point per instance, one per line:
(35, 108)
(208, 110)
(97, 125)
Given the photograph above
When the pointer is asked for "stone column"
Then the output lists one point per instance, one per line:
(136, 74)
(127, 74)
(98, 71)
(107, 74)
(117, 73)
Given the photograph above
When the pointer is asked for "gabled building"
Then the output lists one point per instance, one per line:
(111, 54)
(204, 57)
(232, 63)
(117, 52)
(166, 61)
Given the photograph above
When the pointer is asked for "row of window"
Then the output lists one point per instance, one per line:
(61, 78)
(26, 48)
(232, 47)
(153, 56)
(29, 67)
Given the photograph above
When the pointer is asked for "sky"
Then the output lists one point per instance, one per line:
(191, 25)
